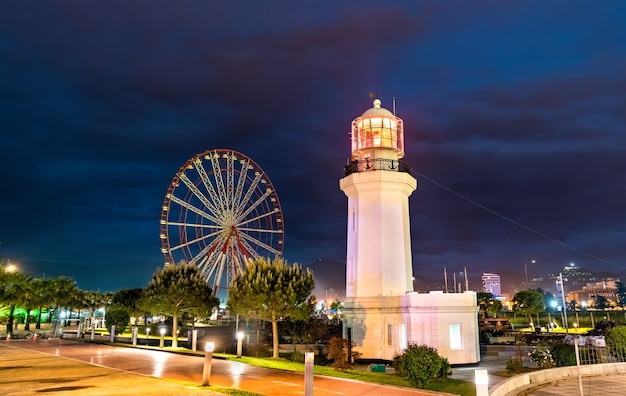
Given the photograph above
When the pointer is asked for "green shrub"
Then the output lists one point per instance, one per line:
(563, 355)
(515, 365)
(446, 368)
(117, 317)
(616, 342)
(419, 364)
(297, 356)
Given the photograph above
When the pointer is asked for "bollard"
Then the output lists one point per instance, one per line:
(481, 378)
(194, 340)
(93, 329)
(239, 343)
(134, 335)
(162, 340)
(112, 337)
(208, 357)
(308, 373)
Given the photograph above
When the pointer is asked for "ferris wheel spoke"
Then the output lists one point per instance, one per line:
(253, 253)
(237, 267)
(196, 210)
(209, 187)
(230, 179)
(253, 206)
(262, 216)
(240, 205)
(210, 226)
(201, 257)
(259, 230)
(198, 193)
(188, 243)
(243, 176)
(223, 262)
(211, 263)
(258, 243)
(219, 182)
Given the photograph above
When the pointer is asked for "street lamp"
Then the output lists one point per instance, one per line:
(564, 306)
(526, 270)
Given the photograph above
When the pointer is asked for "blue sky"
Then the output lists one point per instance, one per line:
(517, 106)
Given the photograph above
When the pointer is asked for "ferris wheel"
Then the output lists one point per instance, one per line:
(219, 211)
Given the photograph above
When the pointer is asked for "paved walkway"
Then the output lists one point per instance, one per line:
(62, 367)
(597, 385)
(25, 372)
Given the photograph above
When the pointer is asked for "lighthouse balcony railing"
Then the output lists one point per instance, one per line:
(376, 164)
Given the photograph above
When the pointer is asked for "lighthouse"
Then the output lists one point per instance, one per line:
(378, 186)
(382, 312)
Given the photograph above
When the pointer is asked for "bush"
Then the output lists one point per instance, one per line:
(297, 356)
(117, 317)
(563, 355)
(338, 352)
(515, 365)
(543, 357)
(419, 364)
(616, 342)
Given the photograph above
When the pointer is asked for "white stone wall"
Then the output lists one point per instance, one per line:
(382, 327)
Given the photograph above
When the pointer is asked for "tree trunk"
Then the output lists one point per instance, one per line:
(174, 330)
(10, 321)
(274, 335)
(38, 325)
(27, 325)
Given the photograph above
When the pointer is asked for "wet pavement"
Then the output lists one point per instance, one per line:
(63, 367)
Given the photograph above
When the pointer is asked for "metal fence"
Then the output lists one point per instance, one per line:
(585, 352)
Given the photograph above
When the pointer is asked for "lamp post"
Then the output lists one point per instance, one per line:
(526, 270)
(564, 306)
(206, 368)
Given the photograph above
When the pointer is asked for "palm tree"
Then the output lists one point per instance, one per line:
(42, 294)
(13, 291)
(62, 291)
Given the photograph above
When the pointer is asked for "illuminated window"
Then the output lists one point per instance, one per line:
(456, 342)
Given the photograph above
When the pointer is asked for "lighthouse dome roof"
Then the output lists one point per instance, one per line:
(377, 110)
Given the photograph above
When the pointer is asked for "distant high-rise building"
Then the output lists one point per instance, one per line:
(491, 283)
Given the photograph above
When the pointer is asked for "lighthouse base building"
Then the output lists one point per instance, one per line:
(383, 327)
(382, 313)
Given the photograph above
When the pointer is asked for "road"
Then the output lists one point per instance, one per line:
(188, 369)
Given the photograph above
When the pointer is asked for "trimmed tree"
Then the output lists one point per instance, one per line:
(178, 289)
(272, 291)
(528, 302)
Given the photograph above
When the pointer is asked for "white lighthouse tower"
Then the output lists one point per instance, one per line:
(378, 186)
(382, 313)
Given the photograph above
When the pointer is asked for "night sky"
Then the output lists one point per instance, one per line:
(514, 112)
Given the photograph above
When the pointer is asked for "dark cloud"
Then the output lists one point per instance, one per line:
(511, 109)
